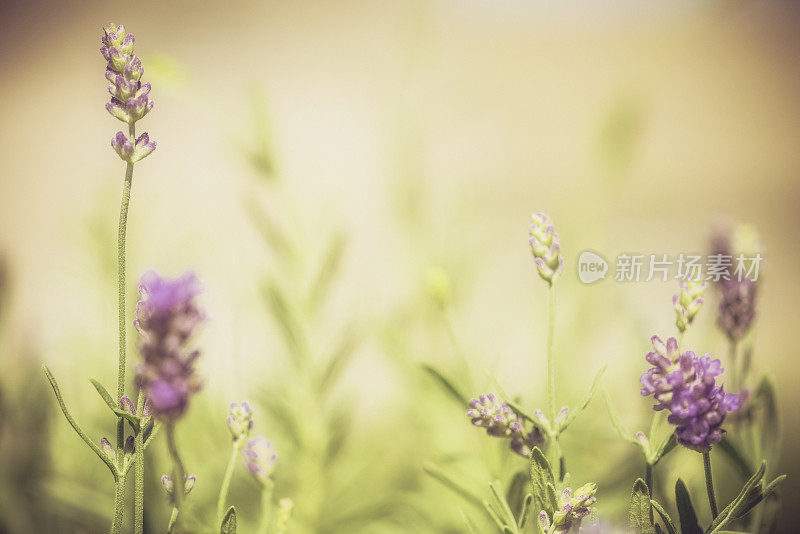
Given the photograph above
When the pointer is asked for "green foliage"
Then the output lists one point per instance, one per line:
(639, 518)
(228, 525)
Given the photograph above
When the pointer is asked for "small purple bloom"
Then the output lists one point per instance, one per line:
(500, 420)
(240, 420)
(133, 152)
(167, 316)
(737, 307)
(130, 99)
(260, 458)
(685, 385)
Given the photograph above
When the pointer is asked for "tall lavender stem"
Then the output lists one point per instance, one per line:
(178, 474)
(712, 499)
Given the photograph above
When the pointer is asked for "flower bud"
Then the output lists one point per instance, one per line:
(545, 247)
(688, 302)
(240, 420)
(133, 152)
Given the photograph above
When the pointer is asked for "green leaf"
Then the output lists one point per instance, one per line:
(331, 263)
(291, 326)
(446, 384)
(664, 517)
(341, 356)
(109, 400)
(639, 520)
(503, 506)
(525, 512)
(585, 401)
(624, 433)
(517, 491)
(449, 482)
(228, 525)
(749, 491)
(467, 522)
(92, 445)
(738, 459)
(770, 421)
(541, 475)
(762, 495)
(667, 444)
(686, 514)
(518, 409)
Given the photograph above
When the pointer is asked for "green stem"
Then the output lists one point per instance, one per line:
(551, 366)
(733, 364)
(178, 472)
(139, 447)
(648, 478)
(139, 487)
(266, 508)
(172, 520)
(712, 499)
(226, 482)
(119, 505)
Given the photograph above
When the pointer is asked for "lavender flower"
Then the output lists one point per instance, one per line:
(130, 100)
(166, 317)
(132, 152)
(500, 420)
(688, 302)
(573, 509)
(260, 459)
(737, 307)
(545, 247)
(685, 385)
(240, 420)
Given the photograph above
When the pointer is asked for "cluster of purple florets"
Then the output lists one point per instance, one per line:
(167, 316)
(685, 385)
(500, 420)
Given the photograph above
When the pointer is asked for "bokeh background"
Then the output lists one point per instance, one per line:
(397, 147)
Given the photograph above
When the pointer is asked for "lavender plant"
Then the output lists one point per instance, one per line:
(129, 103)
(529, 435)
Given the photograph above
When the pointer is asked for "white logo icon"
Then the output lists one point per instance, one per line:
(591, 267)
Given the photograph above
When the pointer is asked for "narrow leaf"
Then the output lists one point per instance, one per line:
(341, 356)
(331, 263)
(448, 481)
(686, 513)
(585, 401)
(761, 496)
(738, 459)
(624, 433)
(517, 490)
(228, 525)
(525, 512)
(94, 446)
(740, 502)
(446, 384)
(770, 421)
(664, 517)
(639, 520)
(109, 400)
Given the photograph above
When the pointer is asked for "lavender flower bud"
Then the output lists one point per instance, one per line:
(544, 521)
(130, 99)
(106, 447)
(573, 508)
(133, 152)
(167, 317)
(169, 486)
(127, 405)
(260, 459)
(737, 307)
(240, 420)
(523, 444)
(545, 247)
(685, 385)
(129, 448)
(688, 302)
(496, 416)
(285, 508)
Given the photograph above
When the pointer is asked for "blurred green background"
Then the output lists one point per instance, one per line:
(316, 163)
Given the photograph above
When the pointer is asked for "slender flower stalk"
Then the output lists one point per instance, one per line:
(178, 473)
(129, 103)
(240, 423)
(712, 498)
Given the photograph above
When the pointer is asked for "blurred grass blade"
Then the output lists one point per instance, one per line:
(738, 459)
(448, 481)
(94, 446)
(585, 401)
(446, 384)
(271, 233)
(290, 325)
(639, 519)
(467, 522)
(770, 430)
(339, 359)
(331, 264)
